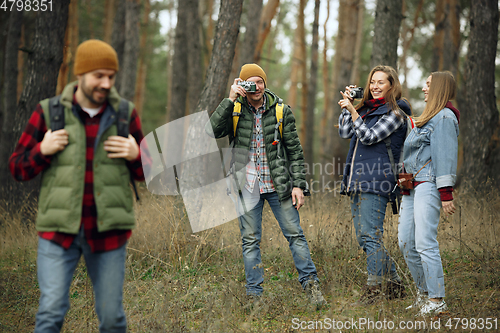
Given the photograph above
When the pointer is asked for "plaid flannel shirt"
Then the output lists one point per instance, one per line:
(258, 168)
(27, 161)
(383, 128)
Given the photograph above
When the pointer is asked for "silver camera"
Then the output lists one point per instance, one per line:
(356, 93)
(248, 86)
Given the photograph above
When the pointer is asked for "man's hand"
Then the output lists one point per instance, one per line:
(54, 142)
(448, 207)
(297, 197)
(236, 90)
(120, 147)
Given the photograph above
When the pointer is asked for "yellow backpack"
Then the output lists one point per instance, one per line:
(279, 119)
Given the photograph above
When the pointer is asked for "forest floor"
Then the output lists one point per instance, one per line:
(177, 281)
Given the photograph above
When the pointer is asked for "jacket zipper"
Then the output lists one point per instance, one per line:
(352, 165)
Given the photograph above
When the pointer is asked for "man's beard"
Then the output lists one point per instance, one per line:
(89, 96)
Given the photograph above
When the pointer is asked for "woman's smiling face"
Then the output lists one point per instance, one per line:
(379, 85)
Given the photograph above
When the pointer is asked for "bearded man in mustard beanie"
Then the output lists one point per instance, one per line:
(84, 143)
(269, 166)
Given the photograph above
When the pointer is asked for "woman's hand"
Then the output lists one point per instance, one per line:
(346, 103)
(448, 207)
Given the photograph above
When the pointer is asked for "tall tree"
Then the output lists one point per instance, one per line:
(479, 123)
(195, 79)
(251, 36)
(179, 88)
(308, 124)
(108, 20)
(144, 57)
(343, 63)
(447, 36)
(128, 67)
(226, 36)
(268, 13)
(118, 37)
(10, 82)
(325, 72)
(44, 62)
(407, 37)
(388, 16)
(298, 57)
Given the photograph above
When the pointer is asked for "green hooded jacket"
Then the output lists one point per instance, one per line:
(287, 167)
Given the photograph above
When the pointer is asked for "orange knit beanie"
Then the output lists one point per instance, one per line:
(94, 54)
(250, 70)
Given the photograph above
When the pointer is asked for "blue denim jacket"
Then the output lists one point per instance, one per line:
(436, 140)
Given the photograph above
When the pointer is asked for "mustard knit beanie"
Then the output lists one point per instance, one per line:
(250, 70)
(94, 54)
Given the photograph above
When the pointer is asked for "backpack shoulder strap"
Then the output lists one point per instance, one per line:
(236, 116)
(279, 116)
(55, 119)
(122, 119)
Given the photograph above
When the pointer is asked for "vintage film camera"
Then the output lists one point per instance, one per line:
(356, 93)
(248, 86)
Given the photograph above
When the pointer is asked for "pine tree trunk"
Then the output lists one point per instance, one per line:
(268, 13)
(479, 125)
(251, 37)
(10, 86)
(343, 64)
(74, 38)
(43, 67)
(298, 57)
(195, 71)
(326, 89)
(388, 16)
(226, 36)
(128, 67)
(145, 50)
(108, 20)
(118, 38)
(179, 87)
(20, 66)
(308, 124)
(407, 39)
(447, 36)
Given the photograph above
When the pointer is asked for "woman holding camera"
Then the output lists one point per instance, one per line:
(430, 154)
(377, 129)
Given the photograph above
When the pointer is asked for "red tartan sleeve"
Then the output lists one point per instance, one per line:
(27, 161)
(136, 131)
(446, 193)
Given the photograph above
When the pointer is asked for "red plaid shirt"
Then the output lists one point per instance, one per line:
(27, 161)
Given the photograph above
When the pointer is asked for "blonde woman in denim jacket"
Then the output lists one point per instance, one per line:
(430, 153)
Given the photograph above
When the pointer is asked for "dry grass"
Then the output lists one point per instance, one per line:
(180, 282)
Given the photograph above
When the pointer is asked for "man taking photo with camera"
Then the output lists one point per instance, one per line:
(270, 160)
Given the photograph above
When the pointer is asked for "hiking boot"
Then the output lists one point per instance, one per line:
(419, 300)
(315, 296)
(395, 289)
(430, 308)
(371, 294)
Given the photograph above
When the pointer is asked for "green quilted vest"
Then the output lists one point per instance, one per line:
(61, 192)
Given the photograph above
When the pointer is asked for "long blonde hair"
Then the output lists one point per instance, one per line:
(394, 93)
(442, 89)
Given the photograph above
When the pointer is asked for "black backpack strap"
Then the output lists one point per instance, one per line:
(122, 129)
(56, 113)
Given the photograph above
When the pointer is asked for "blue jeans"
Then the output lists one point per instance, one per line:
(417, 234)
(251, 232)
(56, 266)
(368, 211)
